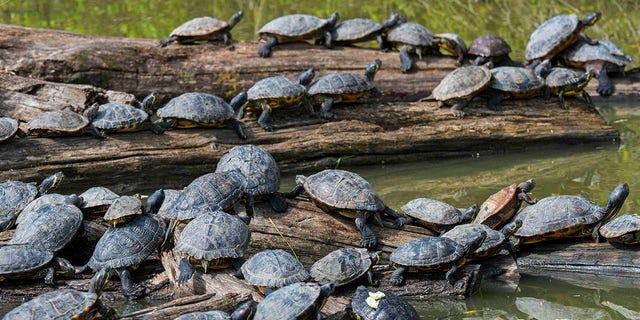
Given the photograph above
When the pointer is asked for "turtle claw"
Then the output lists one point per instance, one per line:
(369, 241)
(604, 90)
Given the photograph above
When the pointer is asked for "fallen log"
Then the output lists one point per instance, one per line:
(195, 303)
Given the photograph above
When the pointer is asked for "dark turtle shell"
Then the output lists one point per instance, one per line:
(47, 199)
(552, 36)
(256, 164)
(411, 34)
(381, 305)
(8, 128)
(623, 229)
(119, 117)
(214, 236)
(97, 199)
(341, 84)
(277, 88)
(491, 246)
(489, 45)
(123, 209)
(198, 107)
(353, 30)
(296, 26)
(170, 197)
(61, 304)
(342, 266)
(436, 215)
(57, 122)
(22, 259)
(518, 81)
(200, 26)
(273, 269)
(295, 301)
(14, 197)
(428, 253)
(582, 52)
(561, 77)
(462, 82)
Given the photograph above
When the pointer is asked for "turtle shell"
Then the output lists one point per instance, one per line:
(342, 266)
(8, 128)
(97, 199)
(122, 208)
(295, 301)
(515, 80)
(355, 29)
(14, 197)
(462, 82)
(622, 229)
(119, 117)
(58, 121)
(455, 39)
(412, 34)
(389, 306)
(559, 77)
(207, 315)
(273, 269)
(213, 236)
(294, 25)
(46, 199)
(17, 259)
(198, 107)
(491, 246)
(428, 253)
(170, 197)
(279, 88)
(552, 36)
(340, 189)
(129, 244)
(59, 304)
(433, 213)
(582, 52)
(339, 84)
(489, 45)
(201, 26)
(256, 164)
(499, 207)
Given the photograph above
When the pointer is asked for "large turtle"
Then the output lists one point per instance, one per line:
(345, 265)
(623, 229)
(490, 48)
(9, 128)
(273, 269)
(123, 209)
(63, 123)
(599, 58)
(357, 30)
(260, 170)
(460, 86)
(244, 312)
(295, 301)
(565, 216)
(204, 29)
(431, 254)
(410, 38)
(296, 27)
(556, 34)
(566, 82)
(197, 109)
(276, 92)
(26, 261)
(517, 83)
(343, 87)
(501, 206)
(120, 117)
(16, 195)
(436, 215)
(348, 194)
(492, 245)
(96, 200)
(381, 305)
(46, 200)
(213, 240)
(453, 44)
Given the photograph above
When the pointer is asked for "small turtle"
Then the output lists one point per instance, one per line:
(357, 30)
(517, 83)
(96, 200)
(430, 254)
(453, 44)
(296, 27)
(26, 261)
(599, 58)
(275, 92)
(295, 301)
(460, 86)
(436, 215)
(197, 109)
(557, 33)
(123, 210)
(560, 217)
(490, 48)
(244, 312)
(381, 305)
(16, 195)
(273, 269)
(204, 29)
(410, 38)
(120, 117)
(213, 240)
(343, 87)
(63, 123)
(348, 194)
(566, 82)
(9, 128)
(492, 245)
(501, 206)
(345, 265)
(623, 229)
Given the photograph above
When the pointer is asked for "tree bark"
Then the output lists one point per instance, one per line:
(196, 303)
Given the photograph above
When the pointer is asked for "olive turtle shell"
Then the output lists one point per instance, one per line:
(17, 259)
(296, 301)
(257, 165)
(339, 84)
(199, 27)
(213, 236)
(433, 213)
(342, 266)
(8, 128)
(275, 88)
(624, 229)
(59, 304)
(462, 82)
(515, 80)
(119, 117)
(14, 197)
(294, 25)
(197, 106)
(355, 29)
(499, 207)
(552, 36)
(389, 306)
(123, 206)
(97, 199)
(491, 246)
(410, 33)
(582, 52)
(428, 253)
(58, 121)
(273, 269)
(489, 45)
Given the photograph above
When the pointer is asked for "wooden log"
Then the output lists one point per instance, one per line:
(195, 303)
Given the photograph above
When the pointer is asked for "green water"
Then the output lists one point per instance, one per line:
(589, 170)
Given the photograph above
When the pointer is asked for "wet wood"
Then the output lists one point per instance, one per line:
(195, 303)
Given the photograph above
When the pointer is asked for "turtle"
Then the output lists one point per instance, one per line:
(119, 117)
(436, 215)
(567, 216)
(431, 254)
(65, 304)
(566, 82)
(296, 301)
(45, 200)
(348, 194)
(599, 58)
(459, 86)
(156, 200)
(494, 243)
(122, 249)
(244, 312)
(16, 195)
(96, 200)
(260, 170)
(501, 206)
(296, 27)
(490, 48)
(123, 209)
(345, 265)
(343, 87)
(357, 30)
(272, 269)
(408, 38)
(26, 261)
(9, 128)
(197, 109)
(380, 305)
(204, 29)
(59, 123)
(557, 33)
(453, 44)
(213, 240)
(623, 229)
(517, 83)
(207, 193)
(170, 197)
(275, 92)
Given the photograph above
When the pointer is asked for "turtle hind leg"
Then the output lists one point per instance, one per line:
(278, 204)
(397, 277)
(129, 289)
(605, 85)
(368, 238)
(186, 271)
(406, 63)
(450, 273)
(457, 112)
(325, 109)
(265, 119)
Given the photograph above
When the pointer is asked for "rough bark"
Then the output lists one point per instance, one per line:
(195, 303)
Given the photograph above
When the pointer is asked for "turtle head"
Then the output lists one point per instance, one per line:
(475, 242)
(591, 19)
(50, 182)
(235, 18)
(510, 228)
(238, 101)
(91, 112)
(306, 77)
(245, 311)
(542, 69)
(468, 214)
(148, 102)
(331, 21)
(616, 200)
(376, 257)
(300, 179)
(394, 20)
(327, 289)
(99, 280)
(527, 186)
(63, 266)
(372, 68)
(154, 202)
(74, 199)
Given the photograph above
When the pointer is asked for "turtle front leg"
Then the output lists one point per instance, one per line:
(450, 273)
(368, 238)
(265, 119)
(495, 100)
(48, 278)
(95, 132)
(328, 40)
(370, 278)
(397, 277)
(153, 127)
(406, 63)
(588, 40)
(400, 219)
(297, 190)
(325, 109)
(237, 128)
(587, 97)
(265, 49)
(523, 196)
(561, 99)
(129, 289)
(228, 41)
(251, 200)
(456, 110)
(605, 85)
(186, 271)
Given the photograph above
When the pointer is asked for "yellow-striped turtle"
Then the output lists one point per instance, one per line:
(460, 86)
(273, 269)
(120, 117)
(296, 27)
(490, 48)
(26, 261)
(409, 38)
(623, 229)
(357, 30)
(296, 301)
(9, 128)
(452, 44)
(501, 206)
(123, 209)
(517, 83)
(566, 82)
(59, 123)
(96, 200)
(492, 245)
(436, 215)
(204, 29)
(345, 265)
